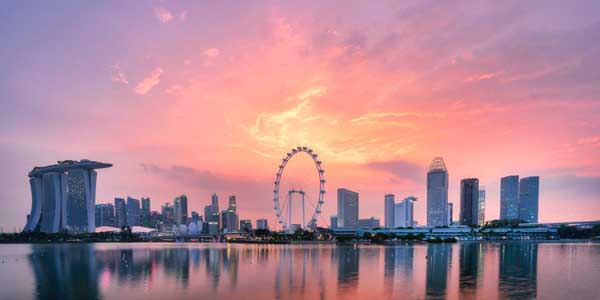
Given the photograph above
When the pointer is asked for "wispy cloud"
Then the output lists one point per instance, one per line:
(591, 140)
(118, 75)
(481, 77)
(163, 15)
(149, 82)
(211, 52)
(383, 115)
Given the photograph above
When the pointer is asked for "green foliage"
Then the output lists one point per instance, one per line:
(502, 224)
(344, 238)
(572, 232)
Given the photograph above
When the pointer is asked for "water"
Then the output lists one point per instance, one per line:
(236, 271)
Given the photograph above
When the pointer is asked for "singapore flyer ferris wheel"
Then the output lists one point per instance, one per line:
(284, 206)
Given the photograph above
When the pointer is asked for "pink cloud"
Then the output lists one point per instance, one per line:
(211, 52)
(149, 82)
(118, 75)
(163, 15)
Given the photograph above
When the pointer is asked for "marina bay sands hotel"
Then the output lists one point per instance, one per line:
(64, 197)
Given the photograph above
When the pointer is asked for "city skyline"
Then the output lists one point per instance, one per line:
(59, 202)
(376, 89)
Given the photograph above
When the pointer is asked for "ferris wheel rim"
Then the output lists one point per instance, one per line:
(277, 182)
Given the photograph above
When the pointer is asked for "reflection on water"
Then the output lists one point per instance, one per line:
(518, 271)
(438, 263)
(471, 269)
(220, 271)
(65, 272)
(347, 265)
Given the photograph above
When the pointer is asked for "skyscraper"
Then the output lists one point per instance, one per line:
(469, 201)
(168, 214)
(437, 193)
(120, 212)
(133, 211)
(211, 215)
(245, 225)
(181, 209)
(389, 201)
(529, 189)
(333, 223)
(369, 223)
(78, 213)
(105, 214)
(404, 212)
(347, 208)
(232, 204)
(63, 196)
(449, 211)
(214, 200)
(231, 220)
(262, 224)
(195, 216)
(145, 212)
(509, 197)
(146, 203)
(481, 217)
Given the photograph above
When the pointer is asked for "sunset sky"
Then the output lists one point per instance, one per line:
(206, 97)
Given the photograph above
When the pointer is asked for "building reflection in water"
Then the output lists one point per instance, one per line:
(471, 269)
(347, 265)
(399, 261)
(438, 265)
(290, 275)
(518, 270)
(73, 271)
(65, 271)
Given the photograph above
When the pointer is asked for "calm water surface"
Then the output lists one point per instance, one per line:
(232, 271)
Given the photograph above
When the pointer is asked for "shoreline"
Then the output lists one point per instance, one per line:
(345, 243)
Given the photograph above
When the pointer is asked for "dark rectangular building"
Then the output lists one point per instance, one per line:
(469, 201)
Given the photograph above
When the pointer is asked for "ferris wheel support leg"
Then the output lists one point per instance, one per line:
(289, 222)
(303, 222)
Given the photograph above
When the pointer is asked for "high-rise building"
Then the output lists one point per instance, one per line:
(211, 215)
(195, 216)
(469, 201)
(232, 204)
(120, 212)
(64, 197)
(369, 223)
(146, 203)
(437, 193)
(229, 221)
(333, 223)
(404, 212)
(181, 209)
(389, 201)
(529, 190)
(245, 226)
(168, 214)
(213, 227)
(214, 200)
(105, 215)
(78, 212)
(133, 212)
(450, 211)
(262, 224)
(229, 217)
(509, 197)
(347, 208)
(481, 217)
(145, 212)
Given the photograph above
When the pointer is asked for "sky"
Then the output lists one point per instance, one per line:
(195, 98)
